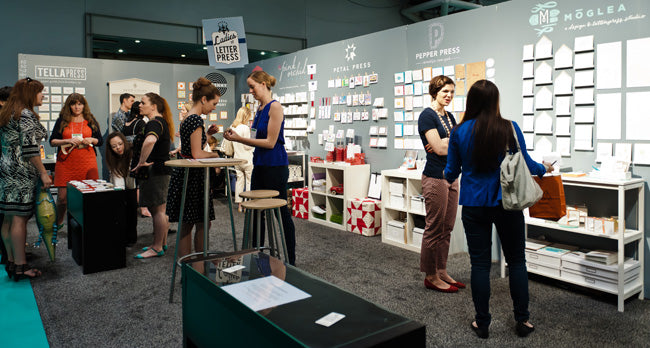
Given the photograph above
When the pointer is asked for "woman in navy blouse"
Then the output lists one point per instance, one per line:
(271, 164)
(477, 147)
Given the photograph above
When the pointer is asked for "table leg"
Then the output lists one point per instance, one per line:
(206, 213)
(232, 219)
(178, 233)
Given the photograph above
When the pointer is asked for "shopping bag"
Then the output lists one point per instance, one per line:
(552, 206)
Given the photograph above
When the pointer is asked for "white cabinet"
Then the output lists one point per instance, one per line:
(627, 238)
(401, 208)
(354, 181)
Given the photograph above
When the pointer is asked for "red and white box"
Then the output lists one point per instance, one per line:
(365, 216)
(300, 198)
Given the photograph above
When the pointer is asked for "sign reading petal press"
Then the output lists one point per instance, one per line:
(226, 42)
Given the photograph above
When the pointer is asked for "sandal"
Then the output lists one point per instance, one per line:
(156, 254)
(21, 269)
(165, 247)
(10, 268)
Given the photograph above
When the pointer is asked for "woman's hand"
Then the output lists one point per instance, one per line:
(231, 135)
(74, 141)
(549, 167)
(46, 180)
(88, 141)
(212, 129)
(141, 165)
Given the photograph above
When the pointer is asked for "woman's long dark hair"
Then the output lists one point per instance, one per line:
(491, 132)
(66, 112)
(117, 164)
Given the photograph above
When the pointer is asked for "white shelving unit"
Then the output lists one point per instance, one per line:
(355, 180)
(624, 236)
(412, 186)
(300, 154)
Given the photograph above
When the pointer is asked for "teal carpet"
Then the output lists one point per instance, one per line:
(20, 321)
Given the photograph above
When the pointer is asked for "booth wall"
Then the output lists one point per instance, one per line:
(495, 33)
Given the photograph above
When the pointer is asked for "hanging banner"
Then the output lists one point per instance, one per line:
(226, 42)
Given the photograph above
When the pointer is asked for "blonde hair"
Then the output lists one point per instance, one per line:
(243, 116)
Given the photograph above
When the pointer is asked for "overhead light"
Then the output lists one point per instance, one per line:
(205, 47)
(120, 50)
(182, 55)
(262, 53)
(137, 41)
(275, 51)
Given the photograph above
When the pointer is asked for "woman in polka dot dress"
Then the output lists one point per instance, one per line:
(193, 139)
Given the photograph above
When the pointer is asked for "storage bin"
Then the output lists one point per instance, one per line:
(397, 201)
(396, 231)
(396, 187)
(542, 269)
(576, 262)
(417, 205)
(600, 283)
(417, 236)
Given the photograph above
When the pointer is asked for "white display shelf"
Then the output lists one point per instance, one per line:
(411, 181)
(624, 236)
(355, 180)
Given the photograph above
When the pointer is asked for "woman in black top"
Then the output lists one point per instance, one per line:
(155, 151)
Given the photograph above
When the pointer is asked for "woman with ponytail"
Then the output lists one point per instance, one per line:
(155, 151)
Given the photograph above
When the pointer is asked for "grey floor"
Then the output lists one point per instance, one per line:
(129, 307)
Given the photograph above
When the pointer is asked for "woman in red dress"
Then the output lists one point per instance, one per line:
(76, 133)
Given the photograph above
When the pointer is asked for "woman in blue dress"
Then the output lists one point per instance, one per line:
(271, 164)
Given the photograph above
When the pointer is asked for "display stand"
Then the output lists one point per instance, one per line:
(624, 236)
(355, 180)
(391, 209)
(214, 318)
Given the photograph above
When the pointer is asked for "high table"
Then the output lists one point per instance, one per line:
(212, 317)
(206, 163)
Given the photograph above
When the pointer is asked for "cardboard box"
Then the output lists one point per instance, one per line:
(300, 198)
(364, 216)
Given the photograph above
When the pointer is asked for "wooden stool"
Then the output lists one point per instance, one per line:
(270, 207)
(252, 195)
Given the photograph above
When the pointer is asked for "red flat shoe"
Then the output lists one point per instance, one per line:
(429, 285)
(456, 284)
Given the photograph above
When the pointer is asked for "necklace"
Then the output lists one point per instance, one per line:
(444, 124)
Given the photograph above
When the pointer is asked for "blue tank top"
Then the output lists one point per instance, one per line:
(277, 156)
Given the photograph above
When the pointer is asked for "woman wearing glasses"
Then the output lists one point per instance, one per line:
(21, 170)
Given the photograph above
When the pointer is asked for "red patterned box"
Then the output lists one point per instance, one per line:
(300, 197)
(365, 216)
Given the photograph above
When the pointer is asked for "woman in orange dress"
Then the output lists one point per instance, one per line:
(76, 133)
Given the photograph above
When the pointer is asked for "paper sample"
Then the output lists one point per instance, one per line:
(408, 76)
(603, 150)
(608, 65)
(529, 139)
(638, 56)
(544, 48)
(563, 106)
(584, 43)
(623, 152)
(262, 293)
(563, 84)
(330, 319)
(475, 72)
(527, 89)
(528, 52)
(608, 116)
(544, 124)
(426, 74)
(398, 115)
(583, 138)
(543, 147)
(399, 90)
(544, 99)
(563, 126)
(583, 96)
(528, 124)
(637, 123)
(584, 114)
(528, 70)
(382, 142)
(527, 105)
(399, 77)
(459, 71)
(563, 146)
(543, 74)
(584, 61)
(417, 75)
(584, 78)
(399, 129)
(399, 103)
(563, 57)
(642, 153)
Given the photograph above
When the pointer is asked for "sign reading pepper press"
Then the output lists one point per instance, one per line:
(226, 42)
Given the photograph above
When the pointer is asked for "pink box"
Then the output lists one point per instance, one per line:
(365, 216)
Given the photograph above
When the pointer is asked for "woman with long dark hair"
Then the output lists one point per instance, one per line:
(159, 133)
(476, 148)
(76, 133)
(21, 170)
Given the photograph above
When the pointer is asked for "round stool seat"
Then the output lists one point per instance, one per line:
(259, 194)
(262, 204)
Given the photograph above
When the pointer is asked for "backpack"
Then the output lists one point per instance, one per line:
(518, 188)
